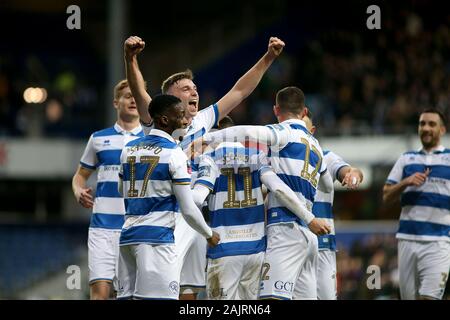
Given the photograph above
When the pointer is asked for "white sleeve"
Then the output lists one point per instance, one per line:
(178, 168)
(89, 158)
(396, 174)
(243, 133)
(334, 164)
(208, 172)
(191, 213)
(325, 182)
(199, 194)
(209, 117)
(285, 195)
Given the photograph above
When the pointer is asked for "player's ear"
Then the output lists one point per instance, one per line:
(116, 104)
(276, 110)
(313, 130)
(305, 112)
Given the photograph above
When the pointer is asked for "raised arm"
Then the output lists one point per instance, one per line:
(248, 82)
(132, 47)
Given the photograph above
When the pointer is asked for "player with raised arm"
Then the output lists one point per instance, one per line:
(296, 157)
(156, 184)
(102, 153)
(421, 180)
(349, 177)
(231, 177)
(190, 245)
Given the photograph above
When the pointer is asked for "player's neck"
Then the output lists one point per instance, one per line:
(288, 116)
(128, 125)
(431, 148)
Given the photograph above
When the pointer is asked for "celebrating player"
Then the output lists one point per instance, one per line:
(200, 122)
(296, 157)
(422, 180)
(155, 181)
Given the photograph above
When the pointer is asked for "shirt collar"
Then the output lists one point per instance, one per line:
(296, 121)
(162, 134)
(439, 148)
(121, 130)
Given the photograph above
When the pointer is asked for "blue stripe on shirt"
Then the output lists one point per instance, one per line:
(425, 199)
(216, 114)
(160, 172)
(236, 217)
(280, 214)
(146, 234)
(422, 228)
(109, 157)
(322, 210)
(85, 165)
(107, 189)
(437, 171)
(107, 221)
(144, 206)
(327, 242)
(297, 184)
(237, 248)
(106, 132)
(297, 151)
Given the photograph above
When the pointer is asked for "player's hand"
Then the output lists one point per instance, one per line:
(351, 180)
(214, 240)
(319, 226)
(275, 46)
(85, 198)
(133, 46)
(418, 178)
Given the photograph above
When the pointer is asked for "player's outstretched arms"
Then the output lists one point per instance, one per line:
(81, 193)
(242, 133)
(392, 192)
(350, 177)
(325, 182)
(191, 213)
(132, 47)
(250, 80)
(285, 195)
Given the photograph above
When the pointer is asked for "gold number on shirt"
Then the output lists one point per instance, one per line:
(265, 269)
(311, 177)
(152, 161)
(231, 201)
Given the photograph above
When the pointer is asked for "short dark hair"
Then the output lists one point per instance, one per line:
(226, 122)
(170, 81)
(438, 112)
(291, 100)
(161, 105)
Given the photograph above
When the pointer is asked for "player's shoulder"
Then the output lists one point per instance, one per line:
(111, 131)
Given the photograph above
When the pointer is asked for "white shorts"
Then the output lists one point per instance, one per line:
(103, 255)
(191, 251)
(326, 275)
(148, 271)
(423, 268)
(234, 277)
(291, 251)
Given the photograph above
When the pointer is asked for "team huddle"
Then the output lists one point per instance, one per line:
(266, 192)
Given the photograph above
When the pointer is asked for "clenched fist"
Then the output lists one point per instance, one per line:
(133, 46)
(275, 46)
